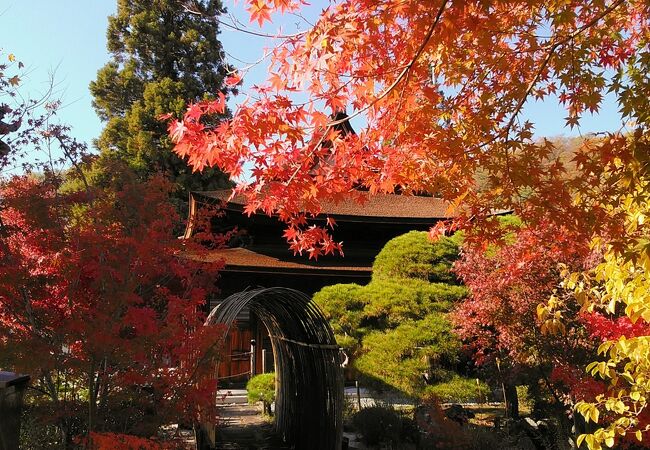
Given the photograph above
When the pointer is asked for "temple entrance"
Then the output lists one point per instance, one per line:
(309, 378)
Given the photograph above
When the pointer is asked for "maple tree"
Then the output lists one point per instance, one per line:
(22, 118)
(97, 302)
(441, 86)
(615, 294)
(99, 308)
(499, 323)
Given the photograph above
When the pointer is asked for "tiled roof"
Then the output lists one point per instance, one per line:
(245, 260)
(384, 207)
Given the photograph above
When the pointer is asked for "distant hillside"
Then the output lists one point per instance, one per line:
(565, 150)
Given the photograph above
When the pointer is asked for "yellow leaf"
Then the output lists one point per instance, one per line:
(619, 407)
(591, 442)
(11, 57)
(594, 414)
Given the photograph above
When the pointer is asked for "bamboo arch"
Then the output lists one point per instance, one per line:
(309, 377)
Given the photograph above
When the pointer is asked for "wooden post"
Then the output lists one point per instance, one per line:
(356, 383)
(263, 360)
(253, 361)
(503, 390)
(12, 389)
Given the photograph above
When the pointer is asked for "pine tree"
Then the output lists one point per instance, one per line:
(163, 57)
(395, 328)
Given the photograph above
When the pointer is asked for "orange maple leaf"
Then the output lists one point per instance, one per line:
(259, 12)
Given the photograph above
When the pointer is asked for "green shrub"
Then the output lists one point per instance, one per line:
(261, 388)
(458, 390)
(400, 356)
(391, 302)
(378, 424)
(354, 311)
(413, 255)
(343, 306)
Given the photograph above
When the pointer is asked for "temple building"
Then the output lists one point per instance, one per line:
(258, 256)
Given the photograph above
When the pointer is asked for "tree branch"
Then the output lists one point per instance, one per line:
(551, 52)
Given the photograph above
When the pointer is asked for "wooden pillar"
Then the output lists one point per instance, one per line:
(253, 358)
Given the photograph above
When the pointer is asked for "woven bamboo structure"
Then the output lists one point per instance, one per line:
(309, 377)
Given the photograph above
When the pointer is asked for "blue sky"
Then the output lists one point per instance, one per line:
(67, 38)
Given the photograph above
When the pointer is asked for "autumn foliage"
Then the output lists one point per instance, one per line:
(97, 301)
(507, 284)
(499, 322)
(98, 305)
(440, 88)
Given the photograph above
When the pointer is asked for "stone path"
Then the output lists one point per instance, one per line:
(243, 427)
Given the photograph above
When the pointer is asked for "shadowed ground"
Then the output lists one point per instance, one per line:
(243, 427)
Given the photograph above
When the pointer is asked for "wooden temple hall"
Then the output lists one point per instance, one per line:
(258, 256)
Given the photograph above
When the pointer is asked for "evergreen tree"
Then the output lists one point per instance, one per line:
(163, 57)
(396, 329)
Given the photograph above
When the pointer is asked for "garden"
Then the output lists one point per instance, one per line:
(519, 318)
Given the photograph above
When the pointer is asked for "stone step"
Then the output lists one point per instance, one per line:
(232, 396)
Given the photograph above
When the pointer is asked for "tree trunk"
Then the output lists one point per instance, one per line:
(512, 401)
(92, 396)
(64, 436)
